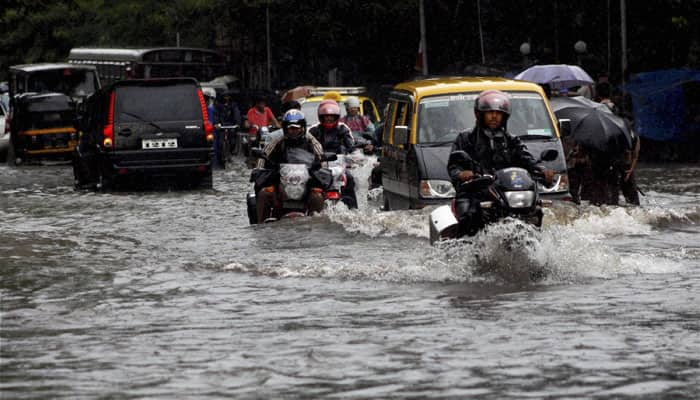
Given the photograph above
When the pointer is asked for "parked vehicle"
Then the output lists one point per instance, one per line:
(42, 128)
(137, 130)
(508, 193)
(425, 116)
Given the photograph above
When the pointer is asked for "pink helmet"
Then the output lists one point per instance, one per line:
(328, 107)
(492, 100)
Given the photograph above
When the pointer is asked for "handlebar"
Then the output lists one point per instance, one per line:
(219, 126)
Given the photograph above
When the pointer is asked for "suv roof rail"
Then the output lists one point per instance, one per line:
(320, 90)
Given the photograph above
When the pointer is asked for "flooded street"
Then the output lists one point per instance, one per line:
(163, 295)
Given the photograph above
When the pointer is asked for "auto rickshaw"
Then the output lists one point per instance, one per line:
(42, 128)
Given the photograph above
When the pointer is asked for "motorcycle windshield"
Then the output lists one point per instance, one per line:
(293, 178)
(509, 179)
(297, 155)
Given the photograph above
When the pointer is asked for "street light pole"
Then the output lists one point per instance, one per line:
(267, 34)
(424, 43)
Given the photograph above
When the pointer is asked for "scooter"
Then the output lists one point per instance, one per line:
(258, 140)
(510, 192)
(296, 178)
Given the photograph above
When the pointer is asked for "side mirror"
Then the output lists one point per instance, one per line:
(400, 134)
(565, 127)
(328, 156)
(459, 157)
(549, 155)
(258, 153)
(78, 123)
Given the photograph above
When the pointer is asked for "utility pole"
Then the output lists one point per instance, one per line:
(269, 52)
(424, 43)
(623, 34)
(481, 32)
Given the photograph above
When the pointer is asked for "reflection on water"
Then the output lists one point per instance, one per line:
(174, 295)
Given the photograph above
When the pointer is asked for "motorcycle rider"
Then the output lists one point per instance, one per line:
(491, 147)
(335, 137)
(356, 121)
(294, 129)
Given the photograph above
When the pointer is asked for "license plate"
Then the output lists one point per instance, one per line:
(159, 143)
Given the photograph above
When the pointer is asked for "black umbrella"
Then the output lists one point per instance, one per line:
(593, 125)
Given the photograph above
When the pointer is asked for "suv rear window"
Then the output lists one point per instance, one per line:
(157, 103)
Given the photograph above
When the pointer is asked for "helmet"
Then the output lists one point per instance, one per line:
(209, 92)
(332, 95)
(352, 102)
(492, 100)
(328, 107)
(293, 118)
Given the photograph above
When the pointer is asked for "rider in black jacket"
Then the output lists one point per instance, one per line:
(294, 128)
(335, 137)
(491, 147)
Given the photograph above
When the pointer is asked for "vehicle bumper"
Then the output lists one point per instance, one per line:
(423, 202)
(560, 196)
(161, 161)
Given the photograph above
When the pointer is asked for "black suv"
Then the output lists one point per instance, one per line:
(139, 130)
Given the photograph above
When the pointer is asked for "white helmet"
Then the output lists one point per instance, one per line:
(209, 92)
(352, 102)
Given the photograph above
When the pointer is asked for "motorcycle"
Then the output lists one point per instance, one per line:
(510, 192)
(296, 178)
(257, 139)
(356, 159)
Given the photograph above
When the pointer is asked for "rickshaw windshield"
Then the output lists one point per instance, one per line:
(71, 82)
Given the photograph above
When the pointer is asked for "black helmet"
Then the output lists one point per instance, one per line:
(492, 100)
(293, 118)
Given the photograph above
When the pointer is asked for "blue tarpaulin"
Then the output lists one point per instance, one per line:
(666, 104)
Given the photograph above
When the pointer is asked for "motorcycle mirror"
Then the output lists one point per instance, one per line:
(327, 156)
(565, 127)
(459, 157)
(258, 153)
(549, 155)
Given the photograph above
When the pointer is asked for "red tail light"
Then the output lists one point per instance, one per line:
(208, 128)
(108, 130)
(333, 195)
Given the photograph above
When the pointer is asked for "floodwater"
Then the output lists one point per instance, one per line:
(172, 295)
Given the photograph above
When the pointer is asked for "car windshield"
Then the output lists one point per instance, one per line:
(310, 110)
(441, 118)
(157, 103)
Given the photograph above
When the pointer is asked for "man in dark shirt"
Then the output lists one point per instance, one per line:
(490, 148)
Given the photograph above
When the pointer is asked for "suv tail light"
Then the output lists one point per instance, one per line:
(208, 128)
(108, 130)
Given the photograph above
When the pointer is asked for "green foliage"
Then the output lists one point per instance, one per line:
(370, 41)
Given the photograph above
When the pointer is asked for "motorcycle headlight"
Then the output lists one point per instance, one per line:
(436, 189)
(520, 199)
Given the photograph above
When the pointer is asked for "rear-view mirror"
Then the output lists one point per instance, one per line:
(565, 127)
(400, 134)
(329, 156)
(257, 153)
(549, 155)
